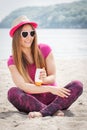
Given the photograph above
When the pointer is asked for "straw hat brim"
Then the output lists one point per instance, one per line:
(13, 29)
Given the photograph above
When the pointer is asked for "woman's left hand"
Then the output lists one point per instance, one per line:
(43, 75)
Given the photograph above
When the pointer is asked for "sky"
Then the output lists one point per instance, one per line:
(7, 6)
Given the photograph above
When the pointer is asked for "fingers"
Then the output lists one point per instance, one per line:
(63, 92)
(43, 74)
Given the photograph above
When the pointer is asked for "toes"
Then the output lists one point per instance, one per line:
(34, 114)
(60, 113)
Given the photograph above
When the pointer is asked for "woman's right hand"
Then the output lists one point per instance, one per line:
(60, 91)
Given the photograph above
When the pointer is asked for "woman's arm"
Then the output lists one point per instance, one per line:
(32, 88)
(48, 76)
(20, 82)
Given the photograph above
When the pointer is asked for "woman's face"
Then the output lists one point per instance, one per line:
(27, 36)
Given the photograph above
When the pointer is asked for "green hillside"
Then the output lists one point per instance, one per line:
(70, 15)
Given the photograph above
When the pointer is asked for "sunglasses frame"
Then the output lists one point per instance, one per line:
(28, 33)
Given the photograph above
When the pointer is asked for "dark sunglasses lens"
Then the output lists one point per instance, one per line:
(24, 34)
(32, 33)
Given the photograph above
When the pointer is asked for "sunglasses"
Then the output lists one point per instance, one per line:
(24, 34)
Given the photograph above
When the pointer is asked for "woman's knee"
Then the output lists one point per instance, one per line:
(78, 85)
(75, 85)
(11, 93)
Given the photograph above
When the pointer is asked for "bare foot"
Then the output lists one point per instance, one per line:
(34, 114)
(59, 113)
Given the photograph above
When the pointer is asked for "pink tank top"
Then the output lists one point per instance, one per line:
(45, 49)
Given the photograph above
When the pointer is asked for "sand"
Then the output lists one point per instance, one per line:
(75, 117)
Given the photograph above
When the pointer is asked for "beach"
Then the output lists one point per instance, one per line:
(75, 117)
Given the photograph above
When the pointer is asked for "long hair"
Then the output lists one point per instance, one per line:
(20, 58)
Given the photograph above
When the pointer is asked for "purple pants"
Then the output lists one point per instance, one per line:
(46, 103)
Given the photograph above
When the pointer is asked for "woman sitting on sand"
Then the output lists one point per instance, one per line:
(47, 98)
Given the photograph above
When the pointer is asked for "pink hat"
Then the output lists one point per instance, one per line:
(19, 22)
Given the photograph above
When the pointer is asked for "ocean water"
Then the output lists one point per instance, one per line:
(65, 43)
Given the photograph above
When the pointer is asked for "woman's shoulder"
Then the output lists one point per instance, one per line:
(45, 49)
(44, 46)
(10, 60)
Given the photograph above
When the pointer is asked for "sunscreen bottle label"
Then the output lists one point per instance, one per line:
(38, 81)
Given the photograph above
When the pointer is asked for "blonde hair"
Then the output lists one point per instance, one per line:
(20, 58)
